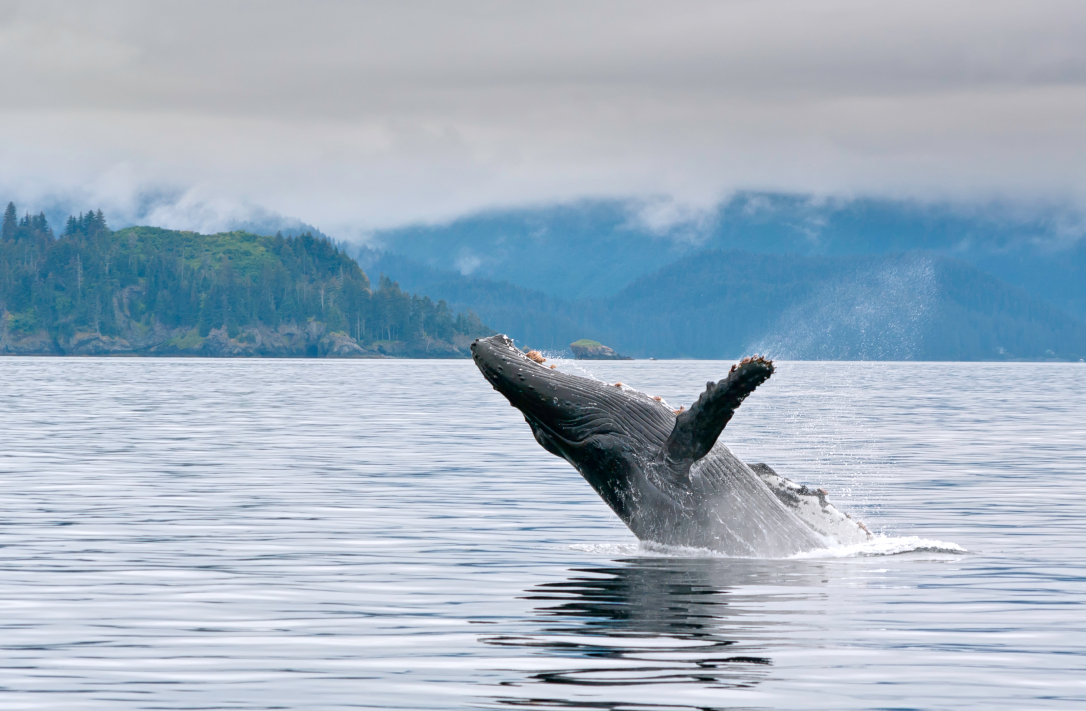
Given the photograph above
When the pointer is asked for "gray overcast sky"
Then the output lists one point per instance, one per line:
(354, 115)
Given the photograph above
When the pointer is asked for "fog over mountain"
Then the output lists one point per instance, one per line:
(790, 275)
(594, 249)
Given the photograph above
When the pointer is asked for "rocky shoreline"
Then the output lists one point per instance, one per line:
(311, 340)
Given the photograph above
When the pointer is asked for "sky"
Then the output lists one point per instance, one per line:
(356, 116)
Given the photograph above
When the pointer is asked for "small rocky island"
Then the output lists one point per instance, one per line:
(585, 349)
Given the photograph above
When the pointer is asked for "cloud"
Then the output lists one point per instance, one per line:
(670, 217)
(356, 116)
(467, 263)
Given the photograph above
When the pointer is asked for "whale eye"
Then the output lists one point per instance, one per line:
(555, 401)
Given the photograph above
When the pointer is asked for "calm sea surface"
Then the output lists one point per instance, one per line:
(203, 534)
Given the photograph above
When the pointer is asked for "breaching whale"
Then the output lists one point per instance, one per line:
(665, 474)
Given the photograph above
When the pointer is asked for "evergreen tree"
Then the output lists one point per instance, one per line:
(39, 224)
(10, 223)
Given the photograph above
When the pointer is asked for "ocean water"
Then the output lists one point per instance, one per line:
(262, 534)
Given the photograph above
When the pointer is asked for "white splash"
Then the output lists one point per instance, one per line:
(880, 545)
(877, 314)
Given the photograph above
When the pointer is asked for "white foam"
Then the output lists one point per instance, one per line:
(607, 548)
(880, 545)
(885, 545)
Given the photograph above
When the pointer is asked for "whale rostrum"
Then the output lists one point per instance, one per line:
(666, 474)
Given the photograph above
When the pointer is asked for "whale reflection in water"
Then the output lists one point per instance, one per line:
(646, 622)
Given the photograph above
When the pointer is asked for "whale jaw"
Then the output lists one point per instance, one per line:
(607, 434)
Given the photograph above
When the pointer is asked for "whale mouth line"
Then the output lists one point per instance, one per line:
(536, 423)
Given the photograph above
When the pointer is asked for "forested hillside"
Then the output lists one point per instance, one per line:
(153, 291)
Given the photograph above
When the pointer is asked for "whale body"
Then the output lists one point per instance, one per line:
(665, 474)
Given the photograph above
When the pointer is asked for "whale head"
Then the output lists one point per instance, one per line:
(632, 449)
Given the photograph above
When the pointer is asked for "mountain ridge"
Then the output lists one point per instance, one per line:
(594, 249)
(725, 304)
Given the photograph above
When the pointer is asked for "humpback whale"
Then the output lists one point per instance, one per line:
(665, 474)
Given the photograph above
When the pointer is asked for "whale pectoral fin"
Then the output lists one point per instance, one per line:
(697, 429)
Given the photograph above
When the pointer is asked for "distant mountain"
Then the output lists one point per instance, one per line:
(588, 249)
(886, 307)
(595, 249)
(146, 290)
(723, 304)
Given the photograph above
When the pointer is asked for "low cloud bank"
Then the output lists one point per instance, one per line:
(357, 117)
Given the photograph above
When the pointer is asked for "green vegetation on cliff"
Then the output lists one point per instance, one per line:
(156, 291)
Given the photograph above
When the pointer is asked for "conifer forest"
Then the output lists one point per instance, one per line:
(153, 291)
